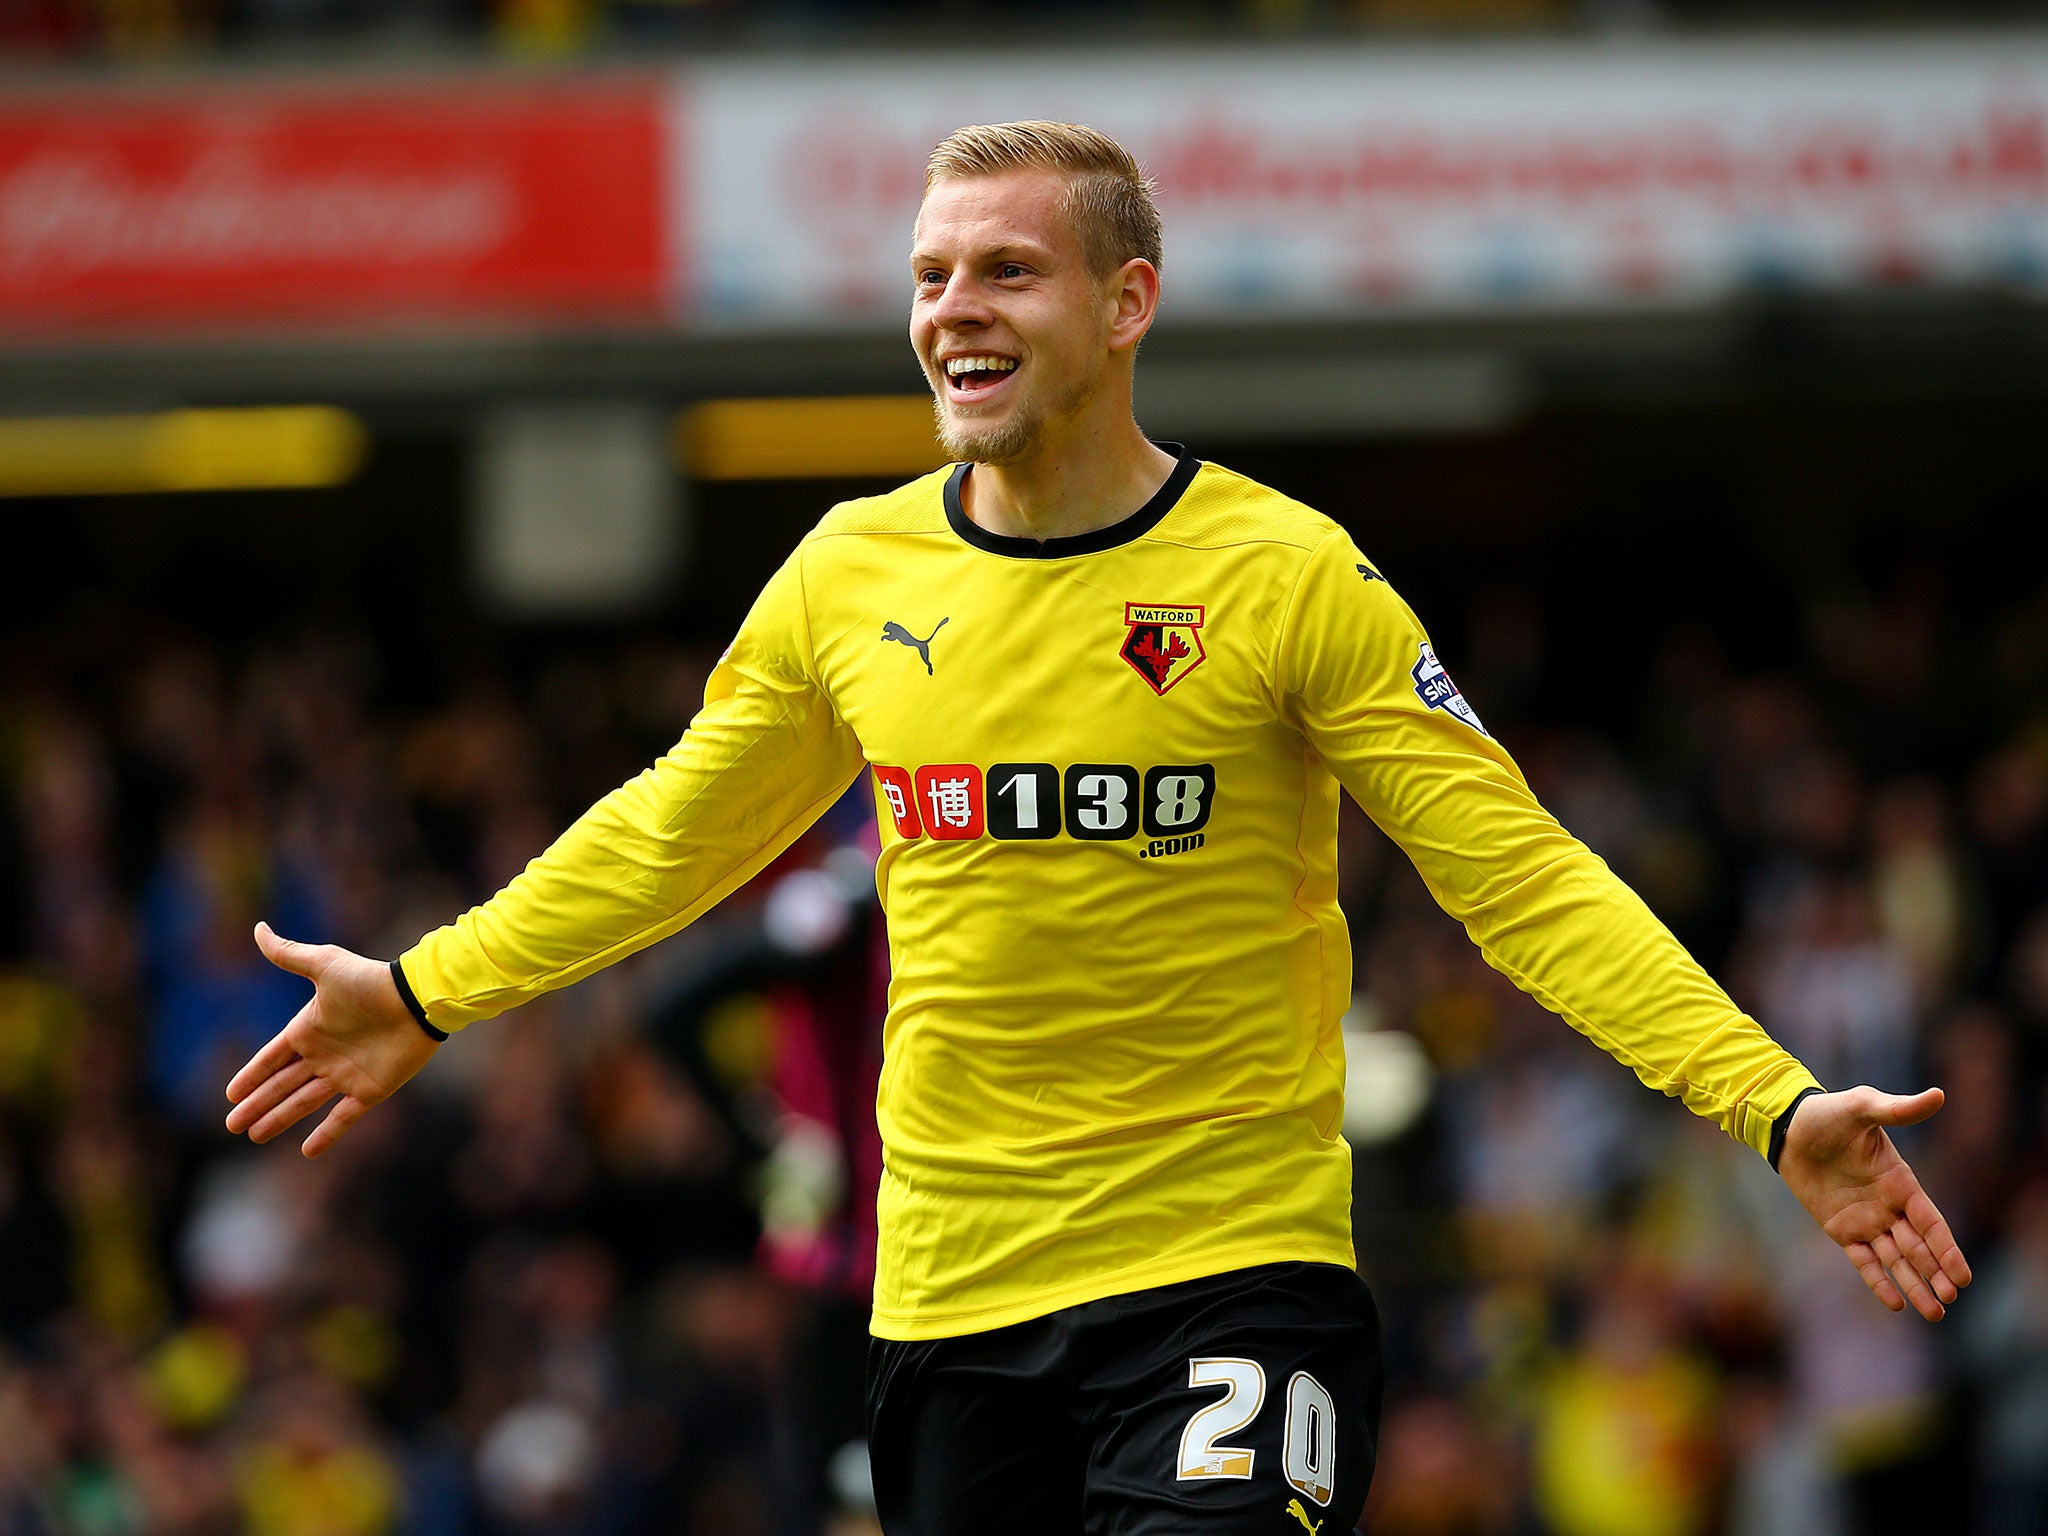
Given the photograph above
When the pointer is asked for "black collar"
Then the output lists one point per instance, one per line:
(1138, 524)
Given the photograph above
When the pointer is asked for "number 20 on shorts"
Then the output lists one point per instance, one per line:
(1307, 1445)
(1024, 802)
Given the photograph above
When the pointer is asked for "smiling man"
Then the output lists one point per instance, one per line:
(1109, 696)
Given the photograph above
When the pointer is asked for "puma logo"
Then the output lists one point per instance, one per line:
(1294, 1508)
(894, 631)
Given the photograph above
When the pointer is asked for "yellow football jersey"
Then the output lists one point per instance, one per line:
(1107, 770)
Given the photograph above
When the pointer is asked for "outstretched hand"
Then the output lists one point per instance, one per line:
(355, 1039)
(1843, 1167)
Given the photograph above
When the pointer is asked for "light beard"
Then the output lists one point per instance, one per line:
(1005, 443)
(1015, 439)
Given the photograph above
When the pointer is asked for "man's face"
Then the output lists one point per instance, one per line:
(999, 281)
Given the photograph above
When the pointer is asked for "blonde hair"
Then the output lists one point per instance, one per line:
(1108, 199)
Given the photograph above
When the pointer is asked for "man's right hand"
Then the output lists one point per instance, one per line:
(356, 1038)
(1842, 1165)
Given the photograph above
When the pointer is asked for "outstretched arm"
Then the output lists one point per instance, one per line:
(1846, 1172)
(1545, 911)
(355, 1040)
(764, 757)
(1548, 913)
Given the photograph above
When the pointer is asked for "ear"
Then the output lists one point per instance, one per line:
(1133, 294)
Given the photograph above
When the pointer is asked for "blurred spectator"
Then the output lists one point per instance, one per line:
(1780, 1482)
(1624, 1441)
(1836, 995)
(2005, 1337)
(1437, 1475)
(1917, 885)
(312, 1466)
(214, 1005)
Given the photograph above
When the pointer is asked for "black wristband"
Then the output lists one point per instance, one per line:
(1783, 1124)
(419, 1014)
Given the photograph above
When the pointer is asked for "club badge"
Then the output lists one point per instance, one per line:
(1165, 641)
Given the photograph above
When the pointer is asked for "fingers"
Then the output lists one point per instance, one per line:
(1921, 1257)
(1925, 1241)
(290, 955)
(1923, 1299)
(1868, 1265)
(275, 1056)
(301, 1103)
(273, 1091)
(1941, 1242)
(329, 1131)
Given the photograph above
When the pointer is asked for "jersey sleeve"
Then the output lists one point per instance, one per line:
(1359, 678)
(763, 759)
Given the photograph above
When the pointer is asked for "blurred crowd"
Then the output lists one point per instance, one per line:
(601, 1269)
(143, 30)
(1609, 1296)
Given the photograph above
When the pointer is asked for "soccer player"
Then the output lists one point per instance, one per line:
(1109, 695)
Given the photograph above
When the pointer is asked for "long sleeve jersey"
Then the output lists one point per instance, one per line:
(1107, 770)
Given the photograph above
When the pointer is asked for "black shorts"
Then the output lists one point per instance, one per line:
(1246, 1402)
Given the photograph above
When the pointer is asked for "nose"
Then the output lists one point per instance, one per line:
(961, 304)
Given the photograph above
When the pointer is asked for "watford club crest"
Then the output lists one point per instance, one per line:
(1165, 641)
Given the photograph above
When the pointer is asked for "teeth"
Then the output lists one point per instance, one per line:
(956, 366)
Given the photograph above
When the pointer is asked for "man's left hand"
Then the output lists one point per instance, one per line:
(1846, 1172)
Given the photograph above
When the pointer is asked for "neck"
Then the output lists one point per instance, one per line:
(1084, 480)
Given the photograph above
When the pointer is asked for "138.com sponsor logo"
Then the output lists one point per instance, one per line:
(1024, 802)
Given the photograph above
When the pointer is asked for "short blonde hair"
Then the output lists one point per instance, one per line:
(1109, 198)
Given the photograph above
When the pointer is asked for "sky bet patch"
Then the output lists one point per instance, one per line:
(1434, 687)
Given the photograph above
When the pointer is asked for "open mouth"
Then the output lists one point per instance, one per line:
(977, 376)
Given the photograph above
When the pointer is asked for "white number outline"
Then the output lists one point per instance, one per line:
(1112, 799)
(1200, 798)
(1308, 1401)
(1026, 786)
(1200, 1455)
(1192, 801)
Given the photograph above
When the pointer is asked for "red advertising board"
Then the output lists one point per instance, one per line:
(259, 207)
